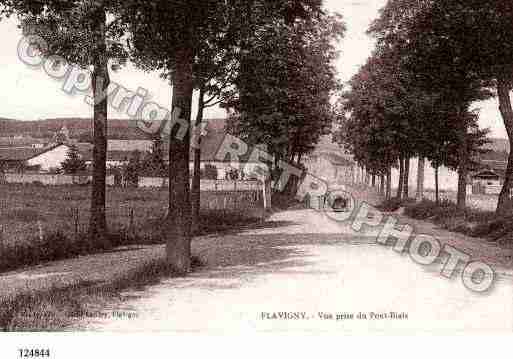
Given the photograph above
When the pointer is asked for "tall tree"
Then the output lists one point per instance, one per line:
(214, 73)
(167, 36)
(79, 31)
(285, 83)
(419, 195)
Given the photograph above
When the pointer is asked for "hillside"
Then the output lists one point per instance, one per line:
(78, 128)
(81, 128)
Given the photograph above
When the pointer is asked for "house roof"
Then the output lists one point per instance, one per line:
(210, 145)
(486, 174)
(24, 153)
(339, 160)
(334, 158)
(20, 141)
(87, 155)
(18, 153)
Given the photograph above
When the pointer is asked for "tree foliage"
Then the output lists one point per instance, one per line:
(285, 85)
(169, 37)
(413, 96)
(73, 163)
(457, 42)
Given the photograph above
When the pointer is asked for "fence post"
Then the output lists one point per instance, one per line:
(76, 222)
(131, 214)
(40, 227)
(266, 193)
(1, 240)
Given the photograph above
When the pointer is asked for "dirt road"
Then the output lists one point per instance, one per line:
(303, 272)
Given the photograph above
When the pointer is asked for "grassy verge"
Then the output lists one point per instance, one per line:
(56, 309)
(471, 222)
(52, 246)
(394, 204)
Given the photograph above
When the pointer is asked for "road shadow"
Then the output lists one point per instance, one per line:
(231, 262)
(237, 229)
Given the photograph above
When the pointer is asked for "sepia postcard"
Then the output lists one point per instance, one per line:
(233, 167)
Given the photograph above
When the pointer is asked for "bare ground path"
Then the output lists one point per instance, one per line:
(302, 263)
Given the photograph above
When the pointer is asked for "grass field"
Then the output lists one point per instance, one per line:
(36, 220)
(472, 221)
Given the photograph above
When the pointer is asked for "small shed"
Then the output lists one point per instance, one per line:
(486, 182)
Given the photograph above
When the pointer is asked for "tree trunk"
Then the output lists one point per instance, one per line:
(389, 184)
(401, 179)
(100, 82)
(420, 179)
(406, 178)
(462, 188)
(382, 185)
(503, 88)
(178, 246)
(196, 177)
(373, 181)
(437, 192)
(463, 164)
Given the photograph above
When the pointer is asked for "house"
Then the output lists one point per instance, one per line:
(334, 168)
(49, 158)
(130, 145)
(15, 158)
(114, 158)
(119, 152)
(330, 162)
(486, 182)
(213, 137)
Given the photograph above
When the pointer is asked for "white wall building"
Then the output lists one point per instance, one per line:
(50, 158)
(130, 145)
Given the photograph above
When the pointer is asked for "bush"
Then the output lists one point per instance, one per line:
(471, 222)
(422, 210)
(24, 215)
(209, 173)
(494, 229)
(394, 204)
(52, 247)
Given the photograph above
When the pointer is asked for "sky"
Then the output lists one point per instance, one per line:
(30, 94)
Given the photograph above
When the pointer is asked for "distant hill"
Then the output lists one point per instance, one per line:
(78, 128)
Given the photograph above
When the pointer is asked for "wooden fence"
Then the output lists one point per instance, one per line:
(144, 182)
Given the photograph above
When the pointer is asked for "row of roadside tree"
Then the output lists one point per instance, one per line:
(414, 96)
